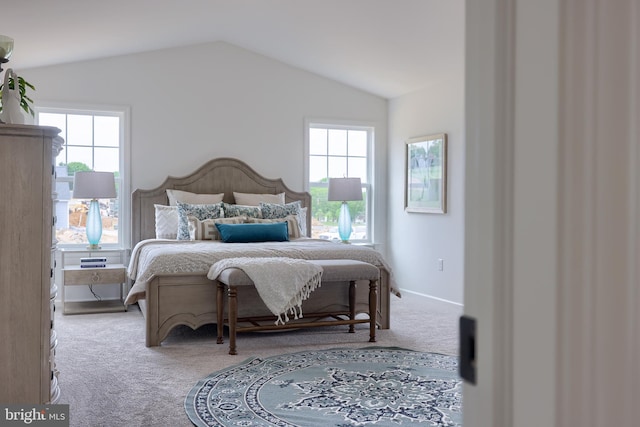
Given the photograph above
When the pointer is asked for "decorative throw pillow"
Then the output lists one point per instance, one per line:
(291, 220)
(166, 222)
(176, 196)
(200, 212)
(271, 210)
(303, 221)
(248, 233)
(206, 229)
(241, 210)
(252, 199)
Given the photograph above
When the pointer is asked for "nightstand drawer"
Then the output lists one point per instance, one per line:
(94, 276)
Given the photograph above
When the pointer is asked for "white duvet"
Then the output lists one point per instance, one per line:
(155, 257)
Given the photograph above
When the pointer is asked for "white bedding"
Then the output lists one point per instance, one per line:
(156, 257)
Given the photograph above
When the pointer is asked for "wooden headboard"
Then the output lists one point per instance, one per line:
(223, 175)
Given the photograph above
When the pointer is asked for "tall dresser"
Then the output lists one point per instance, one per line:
(27, 244)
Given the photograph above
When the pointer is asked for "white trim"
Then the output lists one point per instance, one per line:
(371, 185)
(370, 127)
(489, 80)
(431, 297)
(124, 113)
(75, 107)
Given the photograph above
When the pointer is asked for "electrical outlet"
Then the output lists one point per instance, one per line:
(440, 264)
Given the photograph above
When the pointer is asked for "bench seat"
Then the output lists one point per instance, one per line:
(339, 270)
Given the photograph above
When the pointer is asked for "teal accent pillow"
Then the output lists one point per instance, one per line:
(249, 233)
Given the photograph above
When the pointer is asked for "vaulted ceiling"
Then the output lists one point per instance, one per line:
(386, 47)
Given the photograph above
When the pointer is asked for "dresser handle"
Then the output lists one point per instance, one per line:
(95, 277)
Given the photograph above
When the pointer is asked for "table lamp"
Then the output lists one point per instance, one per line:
(344, 190)
(6, 49)
(94, 186)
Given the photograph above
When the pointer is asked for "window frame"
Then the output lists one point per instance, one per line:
(310, 123)
(123, 181)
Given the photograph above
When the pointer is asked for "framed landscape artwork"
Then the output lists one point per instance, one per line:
(426, 174)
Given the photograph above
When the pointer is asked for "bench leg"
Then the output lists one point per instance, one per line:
(233, 317)
(220, 312)
(352, 305)
(373, 309)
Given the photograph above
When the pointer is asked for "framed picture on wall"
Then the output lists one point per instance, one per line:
(426, 174)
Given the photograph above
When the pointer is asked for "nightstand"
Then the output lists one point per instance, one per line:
(109, 275)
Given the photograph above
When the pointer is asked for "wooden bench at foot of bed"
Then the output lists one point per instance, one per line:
(342, 270)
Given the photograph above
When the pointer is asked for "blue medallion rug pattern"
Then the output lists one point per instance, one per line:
(340, 387)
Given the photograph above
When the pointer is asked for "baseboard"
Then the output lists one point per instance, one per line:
(431, 297)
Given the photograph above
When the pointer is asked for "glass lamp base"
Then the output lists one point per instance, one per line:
(94, 225)
(344, 223)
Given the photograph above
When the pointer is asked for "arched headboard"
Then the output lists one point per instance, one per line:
(223, 175)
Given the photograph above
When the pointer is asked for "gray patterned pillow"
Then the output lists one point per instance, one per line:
(241, 210)
(200, 212)
(272, 210)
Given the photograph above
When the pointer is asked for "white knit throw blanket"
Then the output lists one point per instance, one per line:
(282, 283)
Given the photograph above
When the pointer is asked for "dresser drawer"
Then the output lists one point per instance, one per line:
(94, 276)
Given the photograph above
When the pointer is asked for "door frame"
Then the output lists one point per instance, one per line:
(489, 77)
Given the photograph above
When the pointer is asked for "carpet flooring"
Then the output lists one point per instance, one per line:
(109, 378)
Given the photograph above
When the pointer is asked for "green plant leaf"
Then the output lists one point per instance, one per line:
(25, 101)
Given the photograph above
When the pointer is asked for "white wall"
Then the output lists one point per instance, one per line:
(195, 103)
(416, 241)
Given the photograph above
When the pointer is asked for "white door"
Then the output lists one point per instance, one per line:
(552, 230)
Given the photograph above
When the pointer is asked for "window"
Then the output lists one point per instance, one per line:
(94, 141)
(339, 151)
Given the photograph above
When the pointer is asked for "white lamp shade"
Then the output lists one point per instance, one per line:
(94, 185)
(344, 189)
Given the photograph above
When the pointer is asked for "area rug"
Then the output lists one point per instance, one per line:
(339, 387)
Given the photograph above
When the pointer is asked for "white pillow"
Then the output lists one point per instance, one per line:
(251, 199)
(176, 196)
(166, 222)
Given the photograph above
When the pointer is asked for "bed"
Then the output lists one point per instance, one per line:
(169, 277)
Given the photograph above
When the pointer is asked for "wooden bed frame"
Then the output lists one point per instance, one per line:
(190, 299)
